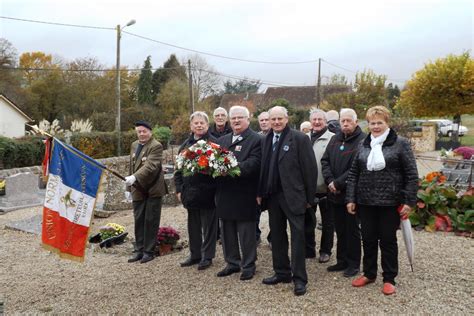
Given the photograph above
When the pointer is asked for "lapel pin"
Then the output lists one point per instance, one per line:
(238, 148)
(286, 148)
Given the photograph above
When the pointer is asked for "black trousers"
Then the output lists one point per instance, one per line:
(279, 214)
(202, 231)
(147, 214)
(310, 222)
(327, 221)
(348, 236)
(379, 228)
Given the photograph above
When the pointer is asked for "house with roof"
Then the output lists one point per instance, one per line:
(12, 119)
(250, 100)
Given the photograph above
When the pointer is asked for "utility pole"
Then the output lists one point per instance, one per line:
(191, 92)
(117, 93)
(318, 88)
(117, 86)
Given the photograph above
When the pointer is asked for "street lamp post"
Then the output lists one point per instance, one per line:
(117, 85)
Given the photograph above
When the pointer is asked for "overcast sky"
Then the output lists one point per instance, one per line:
(395, 38)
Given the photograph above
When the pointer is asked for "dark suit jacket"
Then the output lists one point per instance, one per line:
(236, 197)
(297, 167)
(148, 170)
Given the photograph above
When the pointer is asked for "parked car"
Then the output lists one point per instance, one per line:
(445, 127)
(415, 125)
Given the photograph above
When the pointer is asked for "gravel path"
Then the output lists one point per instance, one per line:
(35, 281)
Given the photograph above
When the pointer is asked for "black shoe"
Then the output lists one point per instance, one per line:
(310, 254)
(247, 275)
(300, 289)
(146, 258)
(350, 272)
(337, 267)
(227, 271)
(204, 264)
(275, 279)
(136, 257)
(189, 262)
(324, 257)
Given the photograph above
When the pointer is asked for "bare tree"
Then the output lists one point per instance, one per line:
(206, 82)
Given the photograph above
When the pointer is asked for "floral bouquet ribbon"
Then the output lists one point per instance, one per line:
(209, 159)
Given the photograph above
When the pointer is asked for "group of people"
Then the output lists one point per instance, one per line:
(361, 184)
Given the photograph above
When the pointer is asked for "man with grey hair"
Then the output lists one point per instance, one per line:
(336, 162)
(264, 123)
(320, 137)
(333, 121)
(236, 197)
(287, 186)
(197, 193)
(221, 126)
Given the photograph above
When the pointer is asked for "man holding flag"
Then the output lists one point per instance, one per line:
(147, 186)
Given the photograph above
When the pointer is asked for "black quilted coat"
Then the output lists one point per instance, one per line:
(394, 185)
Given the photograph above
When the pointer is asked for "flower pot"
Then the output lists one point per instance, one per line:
(165, 249)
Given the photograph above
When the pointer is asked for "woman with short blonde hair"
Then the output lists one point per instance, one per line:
(381, 187)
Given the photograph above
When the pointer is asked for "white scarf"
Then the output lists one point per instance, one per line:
(376, 161)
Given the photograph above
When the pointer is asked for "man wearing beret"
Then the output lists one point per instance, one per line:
(147, 186)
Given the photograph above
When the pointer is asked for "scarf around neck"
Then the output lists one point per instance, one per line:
(376, 160)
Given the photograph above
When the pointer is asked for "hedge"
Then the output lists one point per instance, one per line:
(29, 151)
(23, 152)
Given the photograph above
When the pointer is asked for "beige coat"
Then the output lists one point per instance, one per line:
(148, 170)
(319, 147)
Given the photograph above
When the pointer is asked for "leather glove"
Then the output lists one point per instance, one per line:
(128, 196)
(130, 180)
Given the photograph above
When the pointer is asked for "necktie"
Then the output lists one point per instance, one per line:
(275, 142)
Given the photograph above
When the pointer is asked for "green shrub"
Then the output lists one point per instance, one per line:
(162, 134)
(22, 152)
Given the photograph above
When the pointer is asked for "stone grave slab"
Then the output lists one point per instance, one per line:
(30, 225)
(21, 191)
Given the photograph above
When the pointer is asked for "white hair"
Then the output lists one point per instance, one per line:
(350, 112)
(199, 114)
(305, 124)
(313, 112)
(332, 115)
(239, 108)
(263, 113)
(219, 109)
(278, 108)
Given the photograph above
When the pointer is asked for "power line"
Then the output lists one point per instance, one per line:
(60, 24)
(230, 76)
(222, 56)
(355, 72)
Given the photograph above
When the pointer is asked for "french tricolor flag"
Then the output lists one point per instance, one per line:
(70, 198)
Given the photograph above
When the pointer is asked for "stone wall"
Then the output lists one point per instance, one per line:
(112, 193)
(425, 140)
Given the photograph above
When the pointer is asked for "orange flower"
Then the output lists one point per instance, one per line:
(203, 161)
(214, 145)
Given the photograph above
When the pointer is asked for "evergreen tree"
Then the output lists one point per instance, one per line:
(145, 88)
(171, 69)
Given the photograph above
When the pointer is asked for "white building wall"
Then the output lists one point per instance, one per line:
(12, 123)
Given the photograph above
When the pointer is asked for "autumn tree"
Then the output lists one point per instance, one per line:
(145, 87)
(32, 63)
(369, 91)
(171, 69)
(173, 101)
(444, 87)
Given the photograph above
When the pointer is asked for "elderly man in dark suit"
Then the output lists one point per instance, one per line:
(288, 186)
(147, 185)
(236, 197)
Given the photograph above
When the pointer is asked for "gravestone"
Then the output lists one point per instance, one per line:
(21, 191)
(30, 225)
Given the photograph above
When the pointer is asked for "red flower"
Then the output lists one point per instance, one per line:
(209, 152)
(199, 151)
(203, 161)
(226, 160)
